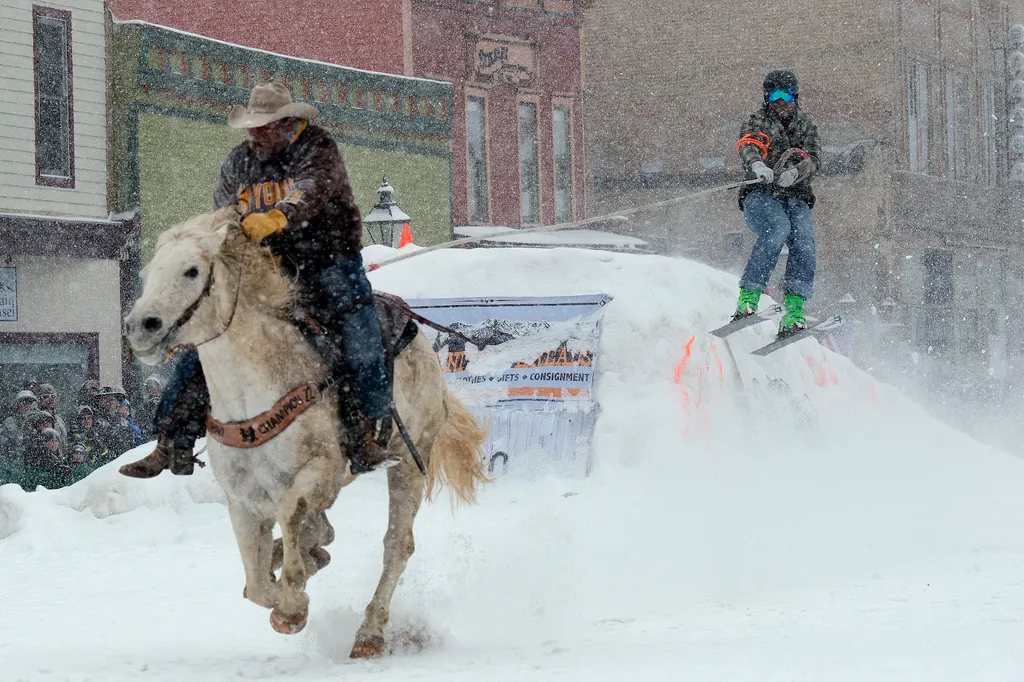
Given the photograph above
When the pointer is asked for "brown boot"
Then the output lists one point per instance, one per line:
(167, 455)
(366, 454)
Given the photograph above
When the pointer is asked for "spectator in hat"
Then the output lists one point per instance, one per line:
(79, 463)
(37, 420)
(30, 383)
(12, 435)
(87, 393)
(48, 402)
(113, 429)
(47, 466)
(128, 423)
(84, 434)
(146, 418)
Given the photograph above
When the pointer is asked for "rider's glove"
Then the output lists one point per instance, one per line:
(787, 177)
(259, 226)
(763, 172)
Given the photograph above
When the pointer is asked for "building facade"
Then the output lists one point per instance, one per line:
(918, 218)
(62, 281)
(517, 152)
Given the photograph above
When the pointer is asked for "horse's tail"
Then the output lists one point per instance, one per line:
(457, 455)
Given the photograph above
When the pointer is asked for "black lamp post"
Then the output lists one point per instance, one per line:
(386, 221)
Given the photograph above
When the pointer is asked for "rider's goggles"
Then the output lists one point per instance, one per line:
(786, 95)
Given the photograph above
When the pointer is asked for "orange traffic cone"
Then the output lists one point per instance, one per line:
(406, 236)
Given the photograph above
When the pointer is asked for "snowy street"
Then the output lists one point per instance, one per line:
(707, 544)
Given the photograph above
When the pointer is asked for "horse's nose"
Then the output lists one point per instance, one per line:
(152, 324)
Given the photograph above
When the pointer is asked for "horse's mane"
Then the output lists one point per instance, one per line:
(264, 286)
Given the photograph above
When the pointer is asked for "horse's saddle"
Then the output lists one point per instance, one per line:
(397, 327)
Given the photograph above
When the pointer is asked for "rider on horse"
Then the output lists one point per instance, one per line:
(290, 184)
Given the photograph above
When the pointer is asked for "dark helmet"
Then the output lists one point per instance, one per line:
(781, 79)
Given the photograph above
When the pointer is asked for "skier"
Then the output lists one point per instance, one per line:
(778, 210)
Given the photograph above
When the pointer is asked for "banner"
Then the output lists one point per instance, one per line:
(532, 381)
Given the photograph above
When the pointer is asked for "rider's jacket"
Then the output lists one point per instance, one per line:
(309, 184)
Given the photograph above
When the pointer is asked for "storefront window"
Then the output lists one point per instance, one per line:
(476, 141)
(529, 167)
(563, 164)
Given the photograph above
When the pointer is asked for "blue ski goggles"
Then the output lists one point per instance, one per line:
(787, 95)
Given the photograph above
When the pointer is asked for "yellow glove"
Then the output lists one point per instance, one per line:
(259, 226)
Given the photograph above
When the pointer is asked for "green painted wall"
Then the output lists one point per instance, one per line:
(179, 159)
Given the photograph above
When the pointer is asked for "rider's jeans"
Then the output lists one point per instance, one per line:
(338, 289)
(181, 414)
(777, 221)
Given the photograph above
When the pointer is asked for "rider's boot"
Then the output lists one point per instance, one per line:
(167, 455)
(366, 454)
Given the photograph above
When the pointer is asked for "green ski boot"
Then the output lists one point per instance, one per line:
(747, 303)
(793, 321)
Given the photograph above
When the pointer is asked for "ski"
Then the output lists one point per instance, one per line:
(823, 327)
(749, 320)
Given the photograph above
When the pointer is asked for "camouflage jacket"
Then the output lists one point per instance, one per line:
(308, 183)
(800, 131)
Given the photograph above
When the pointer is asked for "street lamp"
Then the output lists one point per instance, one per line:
(382, 221)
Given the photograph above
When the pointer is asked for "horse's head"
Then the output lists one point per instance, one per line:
(190, 288)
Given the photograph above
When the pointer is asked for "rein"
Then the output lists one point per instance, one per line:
(190, 311)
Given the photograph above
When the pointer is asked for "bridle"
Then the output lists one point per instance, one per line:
(194, 306)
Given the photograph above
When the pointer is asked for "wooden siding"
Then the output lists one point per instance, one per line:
(18, 188)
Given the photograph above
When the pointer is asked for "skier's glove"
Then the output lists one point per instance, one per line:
(763, 172)
(788, 177)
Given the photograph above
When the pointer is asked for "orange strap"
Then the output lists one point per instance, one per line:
(264, 426)
(759, 140)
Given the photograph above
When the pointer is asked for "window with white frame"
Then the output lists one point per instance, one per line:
(476, 143)
(957, 117)
(990, 158)
(562, 133)
(55, 161)
(529, 163)
(917, 117)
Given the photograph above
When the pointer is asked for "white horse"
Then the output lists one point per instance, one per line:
(209, 287)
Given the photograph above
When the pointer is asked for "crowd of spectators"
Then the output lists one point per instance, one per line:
(44, 443)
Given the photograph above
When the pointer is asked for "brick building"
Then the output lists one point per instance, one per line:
(515, 67)
(918, 220)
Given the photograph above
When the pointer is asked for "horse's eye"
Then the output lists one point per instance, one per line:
(192, 272)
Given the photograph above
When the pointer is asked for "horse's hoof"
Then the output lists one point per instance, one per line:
(321, 556)
(288, 624)
(368, 646)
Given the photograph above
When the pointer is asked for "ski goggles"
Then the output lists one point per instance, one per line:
(785, 95)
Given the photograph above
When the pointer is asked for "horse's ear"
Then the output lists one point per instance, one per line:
(229, 215)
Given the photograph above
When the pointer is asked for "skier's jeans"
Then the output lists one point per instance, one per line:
(181, 414)
(777, 221)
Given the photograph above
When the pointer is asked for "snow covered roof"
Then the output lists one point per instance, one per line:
(139, 22)
(581, 238)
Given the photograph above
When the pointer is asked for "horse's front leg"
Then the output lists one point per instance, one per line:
(313, 490)
(405, 486)
(254, 536)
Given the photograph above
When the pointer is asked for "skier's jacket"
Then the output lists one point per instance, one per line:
(308, 183)
(799, 131)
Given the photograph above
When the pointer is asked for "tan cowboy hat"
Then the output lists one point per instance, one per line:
(268, 102)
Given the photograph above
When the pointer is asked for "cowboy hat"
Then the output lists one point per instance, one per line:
(268, 102)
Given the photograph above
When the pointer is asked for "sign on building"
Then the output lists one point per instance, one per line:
(533, 381)
(8, 294)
